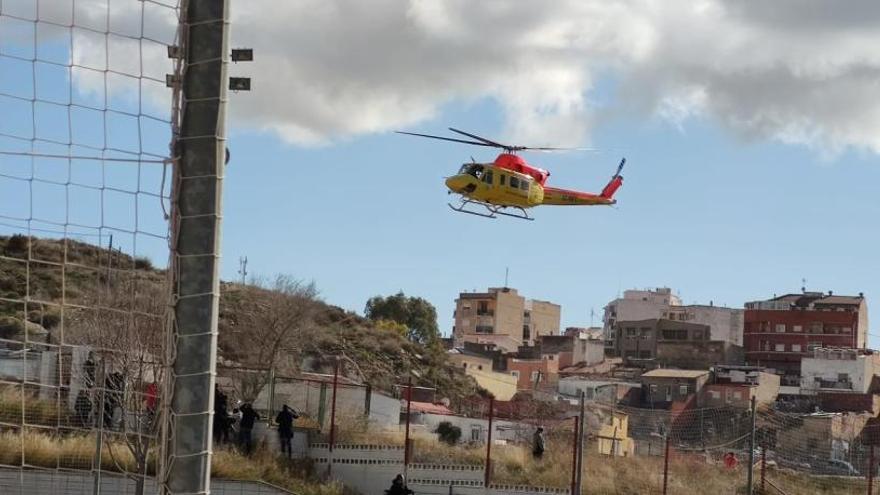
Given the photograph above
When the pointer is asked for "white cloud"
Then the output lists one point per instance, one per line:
(802, 72)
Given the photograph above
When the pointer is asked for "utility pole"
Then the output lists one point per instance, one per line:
(506, 273)
(242, 269)
(199, 151)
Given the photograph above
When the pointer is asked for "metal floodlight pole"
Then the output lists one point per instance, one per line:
(406, 443)
(195, 243)
(574, 454)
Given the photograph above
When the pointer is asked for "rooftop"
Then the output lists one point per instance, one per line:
(668, 373)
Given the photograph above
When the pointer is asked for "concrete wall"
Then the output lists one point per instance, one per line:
(477, 429)
(502, 385)
(726, 324)
(860, 371)
(370, 469)
(698, 355)
(589, 351)
(29, 482)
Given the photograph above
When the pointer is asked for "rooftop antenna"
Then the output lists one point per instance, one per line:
(506, 273)
(242, 269)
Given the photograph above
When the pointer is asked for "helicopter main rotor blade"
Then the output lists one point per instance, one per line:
(487, 141)
(550, 149)
(475, 143)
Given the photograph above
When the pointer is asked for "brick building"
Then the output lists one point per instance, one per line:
(780, 332)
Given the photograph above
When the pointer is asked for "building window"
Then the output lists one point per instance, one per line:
(843, 377)
(846, 330)
(682, 390)
(816, 327)
(646, 333)
(698, 335)
(484, 329)
(814, 345)
(515, 374)
(536, 376)
(653, 389)
(779, 348)
(550, 357)
(479, 366)
(780, 328)
(675, 334)
(795, 348)
(737, 395)
(527, 332)
(476, 433)
(714, 394)
(797, 328)
(645, 354)
(630, 333)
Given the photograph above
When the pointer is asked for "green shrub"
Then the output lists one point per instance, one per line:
(448, 433)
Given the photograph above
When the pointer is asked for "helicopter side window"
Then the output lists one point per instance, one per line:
(487, 177)
(524, 185)
(514, 182)
(501, 179)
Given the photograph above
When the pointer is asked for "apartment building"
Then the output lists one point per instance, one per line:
(780, 332)
(725, 324)
(504, 318)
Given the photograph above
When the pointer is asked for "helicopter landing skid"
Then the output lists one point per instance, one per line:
(493, 210)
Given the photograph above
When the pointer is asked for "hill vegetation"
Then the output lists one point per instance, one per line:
(280, 322)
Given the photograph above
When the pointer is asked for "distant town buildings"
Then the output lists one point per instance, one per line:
(503, 318)
(725, 324)
(781, 331)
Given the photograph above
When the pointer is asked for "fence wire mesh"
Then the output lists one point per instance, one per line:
(84, 177)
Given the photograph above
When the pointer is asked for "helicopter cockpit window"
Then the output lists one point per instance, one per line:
(514, 182)
(472, 169)
(524, 185)
(487, 177)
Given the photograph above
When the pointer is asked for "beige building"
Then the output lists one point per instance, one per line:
(503, 317)
(503, 386)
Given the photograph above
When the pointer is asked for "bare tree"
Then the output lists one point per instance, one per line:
(264, 328)
(124, 325)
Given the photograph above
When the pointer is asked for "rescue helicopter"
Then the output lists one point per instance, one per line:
(510, 183)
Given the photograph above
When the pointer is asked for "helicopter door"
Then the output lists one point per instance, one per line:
(487, 177)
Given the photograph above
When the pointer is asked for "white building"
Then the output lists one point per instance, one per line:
(725, 324)
(839, 370)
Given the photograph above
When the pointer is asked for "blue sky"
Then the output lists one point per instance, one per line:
(712, 216)
(742, 178)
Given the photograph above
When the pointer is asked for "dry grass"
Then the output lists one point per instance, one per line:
(34, 448)
(603, 475)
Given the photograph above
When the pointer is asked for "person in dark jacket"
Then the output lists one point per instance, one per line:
(398, 487)
(246, 428)
(285, 428)
(538, 443)
(83, 409)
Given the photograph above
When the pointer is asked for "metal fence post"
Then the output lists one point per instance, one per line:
(763, 467)
(580, 448)
(871, 470)
(406, 435)
(197, 185)
(488, 475)
(333, 406)
(666, 464)
(750, 489)
(574, 454)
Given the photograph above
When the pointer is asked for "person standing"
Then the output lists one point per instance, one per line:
(246, 428)
(538, 443)
(221, 416)
(398, 487)
(285, 428)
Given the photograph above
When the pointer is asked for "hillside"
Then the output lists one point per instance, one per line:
(377, 356)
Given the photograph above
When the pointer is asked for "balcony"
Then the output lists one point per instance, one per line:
(486, 312)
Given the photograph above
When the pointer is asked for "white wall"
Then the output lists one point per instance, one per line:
(725, 324)
(590, 351)
(860, 371)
